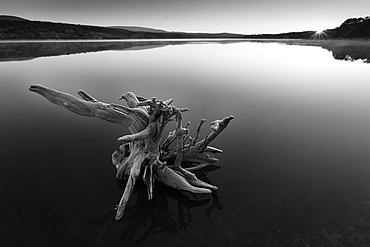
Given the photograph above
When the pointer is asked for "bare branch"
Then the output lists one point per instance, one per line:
(202, 121)
(126, 117)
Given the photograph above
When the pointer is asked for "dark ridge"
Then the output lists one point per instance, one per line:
(12, 28)
(352, 28)
(11, 18)
(42, 30)
(140, 29)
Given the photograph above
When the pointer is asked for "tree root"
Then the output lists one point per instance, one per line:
(142, 151)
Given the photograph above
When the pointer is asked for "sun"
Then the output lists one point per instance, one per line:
(320, 34)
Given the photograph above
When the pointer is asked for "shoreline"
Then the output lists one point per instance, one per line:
(171, 40)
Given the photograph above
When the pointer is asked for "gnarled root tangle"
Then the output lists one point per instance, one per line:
(143, 152)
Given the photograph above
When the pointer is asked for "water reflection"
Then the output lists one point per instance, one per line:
(144, 217)
(14, 51)
(349, 50)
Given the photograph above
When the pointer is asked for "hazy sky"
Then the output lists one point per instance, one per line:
(238, 16)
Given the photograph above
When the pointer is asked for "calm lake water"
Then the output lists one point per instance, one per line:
(295, 169)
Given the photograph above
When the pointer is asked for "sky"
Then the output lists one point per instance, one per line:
(213, 16)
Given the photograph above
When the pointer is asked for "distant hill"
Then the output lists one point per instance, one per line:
(140, 29)
(11, 18)
(10, 29)
(17, 28)
(352, 28)
(37, 30)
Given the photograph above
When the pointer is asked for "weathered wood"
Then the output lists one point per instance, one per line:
(143, 149)
(130, 118)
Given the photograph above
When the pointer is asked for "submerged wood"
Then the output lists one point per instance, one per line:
(142, 152)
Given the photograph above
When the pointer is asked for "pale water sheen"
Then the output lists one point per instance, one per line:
(295, 168)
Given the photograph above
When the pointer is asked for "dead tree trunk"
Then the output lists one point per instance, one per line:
(143, 151)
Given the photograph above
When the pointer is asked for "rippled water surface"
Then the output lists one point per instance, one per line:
(295, 169)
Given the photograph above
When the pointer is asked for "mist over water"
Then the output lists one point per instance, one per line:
(294, 171)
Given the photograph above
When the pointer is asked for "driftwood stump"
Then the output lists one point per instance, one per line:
(143, 152)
